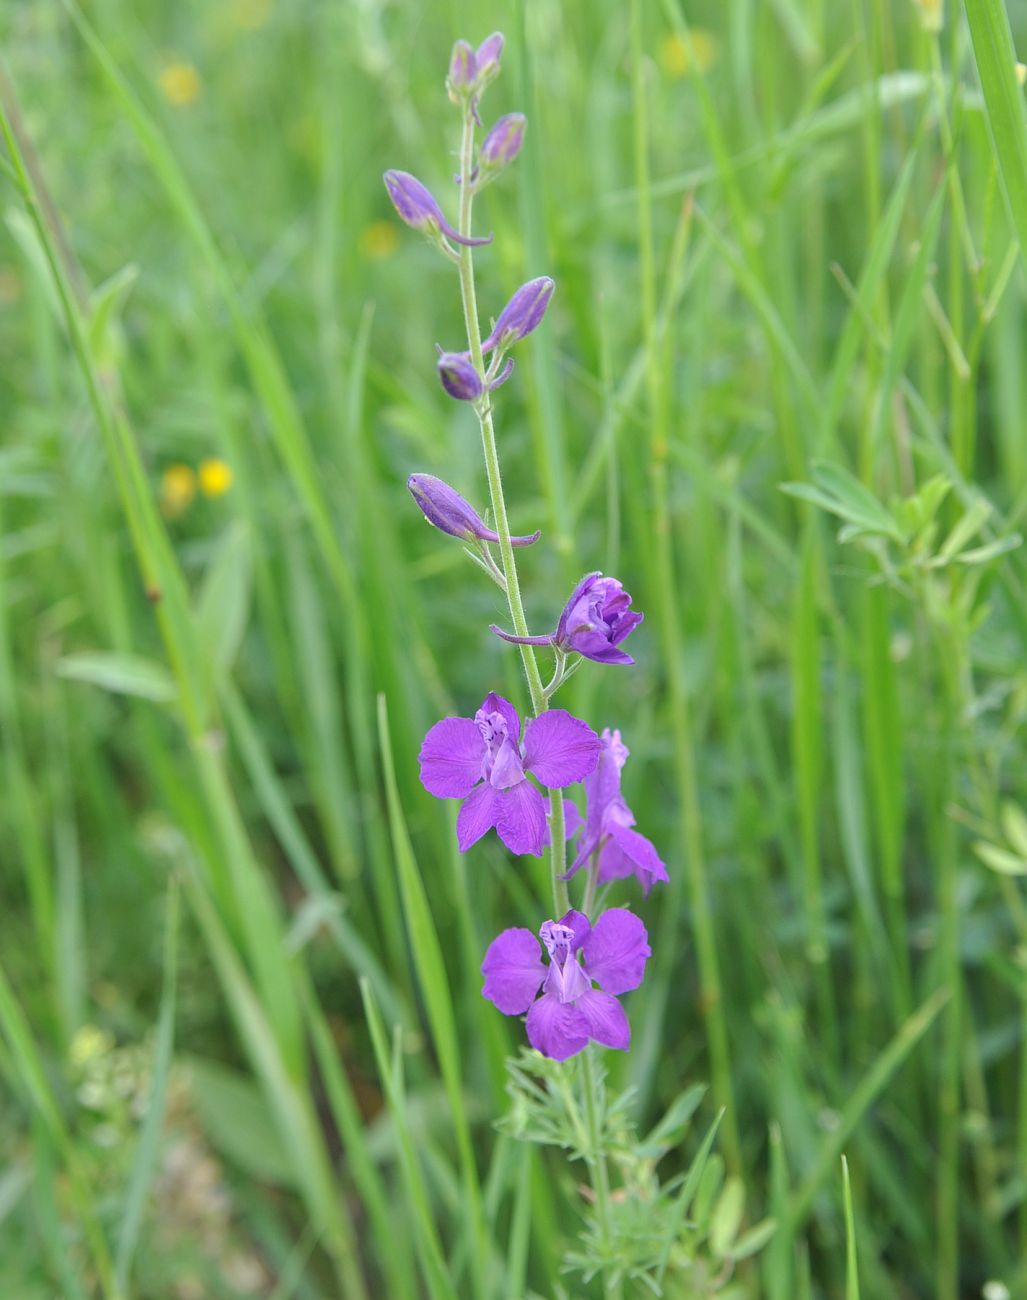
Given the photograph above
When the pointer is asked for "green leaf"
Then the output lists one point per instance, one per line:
(671, 1128)
(1014, 826)
(727, 1217)
(107, 301)
(239, 1123)
(224, 604)
(1000, 860)
(124, 674)
(754, 1240)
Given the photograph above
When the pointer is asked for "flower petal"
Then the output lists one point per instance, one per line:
(616, 951)
(607, 1021)
(451, 758)
(596, 646)
(584, 586)
(635, 853)
(579, 923)
(494, 703)
(513, 971)
(556, 1029)
(480, 812)
(559, 749)
(521, 819)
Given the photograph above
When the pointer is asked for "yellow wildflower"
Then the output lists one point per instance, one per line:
(1021, 74)
(215, 477)
(177, 489)
(180, 84)
(675, 57)
(379, 240)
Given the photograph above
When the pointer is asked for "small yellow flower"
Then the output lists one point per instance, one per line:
(215, 477)
(180, 84)
(379, 240)
(177, 489)
(1021, 74)
(675, 57)
(251, 14)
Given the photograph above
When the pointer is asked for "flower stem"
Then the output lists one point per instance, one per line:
(536, 690)
(597, 1163)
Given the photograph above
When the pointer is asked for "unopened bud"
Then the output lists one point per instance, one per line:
(459, 377)
(503, 143)
(522, 314)
(444, 507)
(463, 69)
(417, 206)
(487, 58)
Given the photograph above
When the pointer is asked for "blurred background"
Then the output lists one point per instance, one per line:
(784, 260)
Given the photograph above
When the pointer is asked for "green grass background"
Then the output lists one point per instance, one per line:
(797, 246)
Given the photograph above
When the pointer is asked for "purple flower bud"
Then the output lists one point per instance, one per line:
(459, 377)
(522, 314)
(416, 205)
(596, 620)
(444, 507)
(487, 57)
(503, 143)
(463, 69)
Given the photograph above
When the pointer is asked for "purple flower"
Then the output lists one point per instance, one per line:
(481, 761)
(417, 206)
(570, 1011)
(444, 507)
(459, 377)
(522, 314)
(608, 822)
(594, 622)
(503, 143)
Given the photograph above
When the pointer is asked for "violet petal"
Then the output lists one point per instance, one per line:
(513, 970)
(556, 1029)
(451, 757)
(478, 814)
(559, 749)
(521, 821)
(607, 1021)
(616, 951)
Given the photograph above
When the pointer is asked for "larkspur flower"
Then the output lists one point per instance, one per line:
(570, 1011)
(418, 208)
(481, 761)
(607, 828)
(503, 142)
(463, 68)
(596, 619)
(522, 314)
(444, 507)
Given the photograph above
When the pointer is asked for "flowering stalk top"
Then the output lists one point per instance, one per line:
(570, 1011)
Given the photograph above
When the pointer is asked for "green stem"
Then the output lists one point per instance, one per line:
(536, 690)
(597, 1163)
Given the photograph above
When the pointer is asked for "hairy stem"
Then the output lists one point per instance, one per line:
(597, 1163)
(536, 690)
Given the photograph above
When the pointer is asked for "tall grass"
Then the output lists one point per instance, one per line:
(241, 1031)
